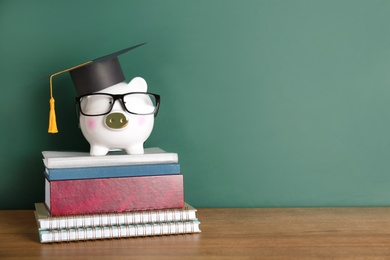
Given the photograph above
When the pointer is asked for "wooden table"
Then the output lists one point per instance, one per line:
(300, 233)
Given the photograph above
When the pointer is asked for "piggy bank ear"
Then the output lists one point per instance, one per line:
(138, 84)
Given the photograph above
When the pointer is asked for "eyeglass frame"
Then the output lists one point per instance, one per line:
(115, 98)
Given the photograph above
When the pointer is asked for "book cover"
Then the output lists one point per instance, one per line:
(62, 159)
(118, 231)
(89, 196)
(111, 171)
(46, 221)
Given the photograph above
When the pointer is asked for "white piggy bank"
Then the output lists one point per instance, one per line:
(111, 120)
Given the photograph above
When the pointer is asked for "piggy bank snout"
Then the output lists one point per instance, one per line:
(116, 120)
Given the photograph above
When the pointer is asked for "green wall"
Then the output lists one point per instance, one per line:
(268, 103)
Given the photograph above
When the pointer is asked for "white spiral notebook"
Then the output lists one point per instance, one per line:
(45, 221)
(108, 232)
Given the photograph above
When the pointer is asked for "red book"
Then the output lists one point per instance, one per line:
(88, 196)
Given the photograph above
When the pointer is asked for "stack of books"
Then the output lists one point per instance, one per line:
(113, 196)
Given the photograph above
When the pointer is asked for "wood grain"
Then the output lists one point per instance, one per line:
(280, 233)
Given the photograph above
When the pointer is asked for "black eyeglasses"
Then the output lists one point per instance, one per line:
(137, 103)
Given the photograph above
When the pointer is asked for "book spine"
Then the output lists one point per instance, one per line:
(109, 195)
(111, 171)
(67, 160)
(109, 232)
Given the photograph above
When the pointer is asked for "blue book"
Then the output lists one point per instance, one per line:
(111, 171)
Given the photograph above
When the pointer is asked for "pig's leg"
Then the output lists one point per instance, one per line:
(135, 149)
(98, 150)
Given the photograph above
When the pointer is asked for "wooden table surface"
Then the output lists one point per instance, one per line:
(280, 233)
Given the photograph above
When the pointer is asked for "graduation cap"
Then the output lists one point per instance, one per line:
(91, 76)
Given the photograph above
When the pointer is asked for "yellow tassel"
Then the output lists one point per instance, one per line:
(52, 118)
(52, 115)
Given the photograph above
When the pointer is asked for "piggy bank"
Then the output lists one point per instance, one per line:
(118, 117)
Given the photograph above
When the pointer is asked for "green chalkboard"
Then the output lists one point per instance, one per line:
(268, 103)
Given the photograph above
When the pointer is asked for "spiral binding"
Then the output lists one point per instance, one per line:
(117, 219)
(119, 231)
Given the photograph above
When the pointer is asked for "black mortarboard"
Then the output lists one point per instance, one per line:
(91, 76)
